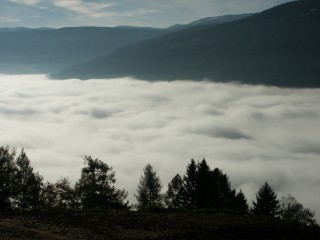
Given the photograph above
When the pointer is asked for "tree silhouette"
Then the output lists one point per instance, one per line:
(172, 197)
(239, 202)
(29, 184)
(49, 196)
(67, 197)
(8, 171)
(149, 190)
(266, 203)
(95, 187)
(205, 188)
(204, 195)
(221, 190)
(293, 211)
(188, 193)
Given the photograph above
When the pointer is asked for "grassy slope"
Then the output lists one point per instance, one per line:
(136, 225)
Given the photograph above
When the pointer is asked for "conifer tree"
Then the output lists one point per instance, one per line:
(29, 184)
(240, 203)
(188, 191)
(172, 197)
(266, 202)
(149, 190)
(224, 192)
(203, 189)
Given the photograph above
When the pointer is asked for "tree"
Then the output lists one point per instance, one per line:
(8, 171)
(203, 186)
(266, 203)
(188, 193)
(149, 190)
(172, 198)
(28, 184)
(67, 197)
(239, 202)
(95, 187)
(293, 211)
(49, 196)
(221, 193)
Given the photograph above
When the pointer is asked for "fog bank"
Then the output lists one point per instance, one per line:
(253, 133)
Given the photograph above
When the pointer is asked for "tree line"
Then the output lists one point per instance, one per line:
(199, 188)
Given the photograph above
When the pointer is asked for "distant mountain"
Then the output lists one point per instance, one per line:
(211, 21)
(137, 27)
(44, 50)
(280, 46)
(21, 29)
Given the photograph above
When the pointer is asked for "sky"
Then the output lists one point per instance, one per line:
(147, 13)
(253, 133)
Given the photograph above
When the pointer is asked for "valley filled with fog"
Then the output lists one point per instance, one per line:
(252, 133)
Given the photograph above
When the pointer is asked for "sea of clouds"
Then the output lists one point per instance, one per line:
(253, 133)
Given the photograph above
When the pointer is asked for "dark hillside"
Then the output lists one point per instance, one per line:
(146, 225)
(210, 21)
(280, 46)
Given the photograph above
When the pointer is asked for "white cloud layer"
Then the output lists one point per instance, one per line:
(253, 133)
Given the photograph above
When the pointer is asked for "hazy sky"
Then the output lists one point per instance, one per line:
(154, 13)
(253, 133)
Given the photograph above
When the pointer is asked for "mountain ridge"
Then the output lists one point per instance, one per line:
(279, 46)
(44, 50)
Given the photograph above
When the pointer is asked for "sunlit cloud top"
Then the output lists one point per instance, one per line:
(253, 133)
(62, 13)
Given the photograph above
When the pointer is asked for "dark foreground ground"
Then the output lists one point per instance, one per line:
(136, 225)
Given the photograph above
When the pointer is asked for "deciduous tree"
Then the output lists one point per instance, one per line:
(149, 190)
(67, 197)
(292, 210)
(96, 186)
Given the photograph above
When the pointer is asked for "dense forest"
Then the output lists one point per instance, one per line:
(23, 189)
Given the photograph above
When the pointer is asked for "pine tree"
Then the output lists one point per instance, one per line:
(188, 193)
(204, 188)
(8, 171)
(172, 199)
(149, 190)
(266, 203)
(29, 184)
(203, 193)
(95, 187)
(240, 203)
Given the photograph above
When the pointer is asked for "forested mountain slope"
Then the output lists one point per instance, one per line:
(280, 46)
